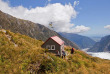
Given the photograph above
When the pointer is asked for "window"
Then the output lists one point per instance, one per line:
(48, 47)
(52, 47)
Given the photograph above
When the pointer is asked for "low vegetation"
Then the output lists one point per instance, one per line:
(20, 54)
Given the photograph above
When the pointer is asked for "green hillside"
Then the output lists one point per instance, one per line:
(20, 54)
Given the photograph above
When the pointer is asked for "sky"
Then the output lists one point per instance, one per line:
(84, 17)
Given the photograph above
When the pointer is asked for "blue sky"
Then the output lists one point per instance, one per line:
(91, 13)
(95, 14)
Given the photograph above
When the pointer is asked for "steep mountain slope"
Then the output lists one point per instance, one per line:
(96, 38)
(102, 46)
(20, 54)
(81, 41)
(28, 28)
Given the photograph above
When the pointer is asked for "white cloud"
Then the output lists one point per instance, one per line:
(49, 0)
(107, 26)
(80, 28)
(57, 13)
(76, 3)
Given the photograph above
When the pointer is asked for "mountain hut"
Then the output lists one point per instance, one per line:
(55, 45)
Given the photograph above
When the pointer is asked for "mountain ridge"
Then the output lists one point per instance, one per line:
(102, 46)
(29, 28)
(81, 41)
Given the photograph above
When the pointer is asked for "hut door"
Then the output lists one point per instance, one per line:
(61, 51)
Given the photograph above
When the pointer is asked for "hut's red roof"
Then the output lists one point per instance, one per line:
(57, 39)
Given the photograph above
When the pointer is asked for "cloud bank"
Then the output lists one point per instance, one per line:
(107, 26)
(103, 55)
(60, 15)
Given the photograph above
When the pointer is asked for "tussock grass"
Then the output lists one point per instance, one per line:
(28, 57)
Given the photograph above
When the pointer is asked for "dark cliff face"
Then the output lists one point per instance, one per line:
(29, 28)
(81, 41)
(102, 46)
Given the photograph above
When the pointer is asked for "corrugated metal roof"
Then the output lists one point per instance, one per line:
(57, 39)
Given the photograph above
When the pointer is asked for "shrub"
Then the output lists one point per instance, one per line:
(46, 65)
